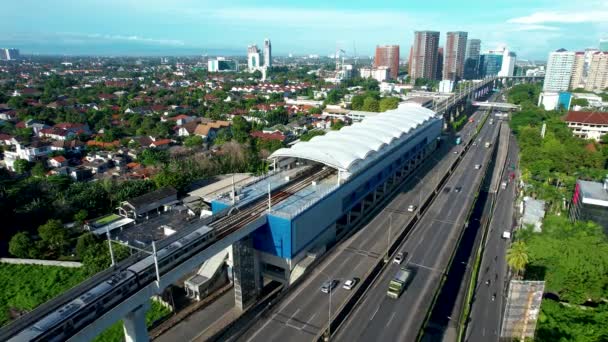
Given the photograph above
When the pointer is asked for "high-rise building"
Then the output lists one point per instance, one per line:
(9, 54)
(597, 79)
(604, 45)
(439, 69)
(508, 63)
(578, 71)
(490, 63)
(424, 55)
(559, 71)
(388, 56)
(409, 61)
(471, 59)
(253, 58)
(267, 53)
(454, 53)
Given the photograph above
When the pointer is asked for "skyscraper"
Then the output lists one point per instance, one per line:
(9, 54)
(453, 58)
(253, 58)
(578, 71)
(597, 79)
(508, 63)
(424, 55)
(439, 68)
(471, 59)
(490, 63)
(559, 71)
(388, 56)
(267, 53)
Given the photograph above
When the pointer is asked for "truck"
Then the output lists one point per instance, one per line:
(458, 140)
(487, 145)
(398, 283)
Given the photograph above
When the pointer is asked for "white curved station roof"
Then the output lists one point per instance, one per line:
(347, 148)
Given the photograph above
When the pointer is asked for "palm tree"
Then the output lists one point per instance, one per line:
(517, 257)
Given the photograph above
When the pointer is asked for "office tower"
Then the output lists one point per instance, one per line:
(388, 56)
(578, 71)
(604, 45)
(559, 71)
(221, 64)
(267, 53)
(471, 59)
(409, 61)
(9, 54)
(490, 63)
(439, 68)
(424, 55)
(253, 58)
(508, 63)
(597, 78)
(453, 55)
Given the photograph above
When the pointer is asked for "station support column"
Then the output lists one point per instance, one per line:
(246, 273)
(135, 325)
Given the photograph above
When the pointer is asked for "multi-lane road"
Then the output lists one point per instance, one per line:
(486, 314)
(429, 248)
(303, 313)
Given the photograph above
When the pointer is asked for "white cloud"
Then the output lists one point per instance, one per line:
(562, 17)
(527, 27)
(133, 38)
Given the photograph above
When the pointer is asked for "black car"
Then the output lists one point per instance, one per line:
(329, 286)
(457, 189)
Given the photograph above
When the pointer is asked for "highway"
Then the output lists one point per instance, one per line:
(303, 313)
(429, 248)
(486, 315)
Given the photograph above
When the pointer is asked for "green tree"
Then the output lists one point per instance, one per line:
(389, 103)
(20, 245)
(517, 256)
(39, 170)
(21, 166)
(357, 102)
(333, 97)
(580, 102)
(193, 141)
(54, 235)
(336, 125)
(240, 129)
(81, 216)
(370, 104)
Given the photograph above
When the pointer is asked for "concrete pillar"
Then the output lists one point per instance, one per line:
(135, 324)
(245, 273)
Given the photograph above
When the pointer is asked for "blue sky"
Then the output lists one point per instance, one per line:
(532, 28)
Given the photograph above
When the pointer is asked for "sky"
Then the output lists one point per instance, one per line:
(531, 28)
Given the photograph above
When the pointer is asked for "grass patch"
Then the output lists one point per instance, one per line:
(106, 219)
(24, 287)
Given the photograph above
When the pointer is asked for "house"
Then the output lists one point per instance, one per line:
(67, 145)
(208, 131)
(7, 139)
(274, 136)
(58, 161)
(179, 120)
(587, 125)
(187, 129)
(152, 202)
(81, 174)
(30, 152)
(55, 133)
(161, 143)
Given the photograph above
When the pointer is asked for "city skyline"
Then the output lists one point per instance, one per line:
(195, 28)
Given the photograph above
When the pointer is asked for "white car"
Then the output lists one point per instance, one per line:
(477, 166)
(349, 284)
(398, 259)
(411, 208)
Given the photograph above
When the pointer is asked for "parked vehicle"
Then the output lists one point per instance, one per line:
(398, 258)
(411, 208)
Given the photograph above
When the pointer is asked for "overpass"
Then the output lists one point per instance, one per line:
(498, 105)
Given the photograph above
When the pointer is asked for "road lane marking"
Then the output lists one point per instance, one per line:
(375, 312)
(292, 317)
(390, 320)
(210, 326)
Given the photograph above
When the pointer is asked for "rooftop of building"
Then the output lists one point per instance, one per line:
(353, 147)
(596, 118)
(594, 192)
(151, 197)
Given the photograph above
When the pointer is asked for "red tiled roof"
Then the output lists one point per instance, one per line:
(59, 159)
(268, 136)
(161, 142)
(588, 118)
